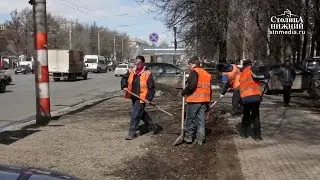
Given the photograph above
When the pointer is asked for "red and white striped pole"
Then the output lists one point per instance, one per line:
(41, 63)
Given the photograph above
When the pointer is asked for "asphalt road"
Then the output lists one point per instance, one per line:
(18, 102)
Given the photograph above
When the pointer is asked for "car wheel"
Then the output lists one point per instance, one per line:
(56, 79)
(85, 77)
(3, 87)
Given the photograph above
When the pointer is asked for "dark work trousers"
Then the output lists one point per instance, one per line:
(138, 113)
(195, 121)
(251, 115)
(237, 106)
(286, 94)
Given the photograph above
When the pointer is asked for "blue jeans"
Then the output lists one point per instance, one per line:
(138, 113)
(195, 121)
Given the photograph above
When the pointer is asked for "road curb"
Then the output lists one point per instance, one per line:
(17, 125)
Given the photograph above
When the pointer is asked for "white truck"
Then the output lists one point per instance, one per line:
(66, 64)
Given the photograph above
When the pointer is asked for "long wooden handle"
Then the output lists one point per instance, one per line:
(183, 103)
(164, 111)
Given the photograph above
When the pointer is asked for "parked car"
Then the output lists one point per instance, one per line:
(3, 84)
(165, 73)
(7, 77)
(302, 82)
(169, 74)
(121, 69)
(10, 172)
(23, 69)
(313, 65)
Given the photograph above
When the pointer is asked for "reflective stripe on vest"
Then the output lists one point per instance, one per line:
(203, 90)
(233, 76)
(248, 86)
(144, 76)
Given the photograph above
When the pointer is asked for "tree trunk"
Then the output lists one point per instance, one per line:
(318, 39)
(223, 51)
(306, 29)
(298, 48)
(313, 40)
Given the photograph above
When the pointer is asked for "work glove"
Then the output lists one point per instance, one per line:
(221, 96)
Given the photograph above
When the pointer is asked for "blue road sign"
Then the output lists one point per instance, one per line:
(154, 37)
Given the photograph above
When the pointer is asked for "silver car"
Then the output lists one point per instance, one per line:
(302, 82)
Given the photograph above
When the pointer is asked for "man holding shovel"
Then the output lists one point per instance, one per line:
(198, 96)
(139, 81)
(230, 75)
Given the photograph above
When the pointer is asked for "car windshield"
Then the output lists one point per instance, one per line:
(91, 61)
(122, 66)
(313, 65)
(23, 66)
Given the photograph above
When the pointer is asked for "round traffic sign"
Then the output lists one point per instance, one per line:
(154, 37)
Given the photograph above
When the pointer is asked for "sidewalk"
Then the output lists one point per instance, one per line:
(291, 145)
(88, 144)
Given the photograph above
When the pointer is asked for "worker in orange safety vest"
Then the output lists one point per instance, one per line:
(251, 96)
(198, 96)
(230, 75)
(139, 81)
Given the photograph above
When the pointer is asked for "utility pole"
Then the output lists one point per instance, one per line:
(99, 41)
(70, 36)
(99, 44)
(26, 40)
(114, 47)
(41, 64)
(175, 45)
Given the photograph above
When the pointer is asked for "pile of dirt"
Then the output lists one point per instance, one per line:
(216, 159)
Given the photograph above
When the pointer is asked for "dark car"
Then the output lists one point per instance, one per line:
(165, 73)
(15, 173)
(312, 64)
(6, 77)
(23, 69)
(3, 84)
(169, 74)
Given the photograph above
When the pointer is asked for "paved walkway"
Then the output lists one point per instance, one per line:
(291, 145)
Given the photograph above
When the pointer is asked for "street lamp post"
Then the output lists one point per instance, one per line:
(99, 41)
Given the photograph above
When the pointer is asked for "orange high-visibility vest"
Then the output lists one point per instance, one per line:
(248, 86)
(144, 76)
(233, 76)
(203, 91)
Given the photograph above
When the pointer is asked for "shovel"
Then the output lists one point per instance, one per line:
(179, 140)
(153, 105)
(211, 106)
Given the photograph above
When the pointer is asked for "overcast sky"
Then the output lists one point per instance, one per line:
(108, 13)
